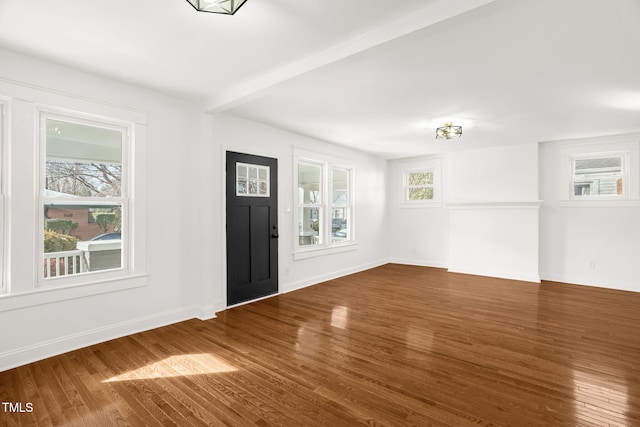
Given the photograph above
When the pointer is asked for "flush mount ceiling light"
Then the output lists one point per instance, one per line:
(228, 7)
(448, 131)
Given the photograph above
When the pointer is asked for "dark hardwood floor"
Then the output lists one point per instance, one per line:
(395, 345)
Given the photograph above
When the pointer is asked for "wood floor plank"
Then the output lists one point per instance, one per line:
(392, 346)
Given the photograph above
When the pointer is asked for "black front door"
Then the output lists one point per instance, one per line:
(252, 227)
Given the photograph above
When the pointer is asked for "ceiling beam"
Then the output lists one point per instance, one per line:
(433, 13)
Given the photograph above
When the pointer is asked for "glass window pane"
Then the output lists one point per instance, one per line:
(605, 186)
(82, 160)
(252, 180)
(242, 187)
(253, 172)
(309, 178)
(598, 166)
(340, 187)
(420, 178)
(429, 177)
(599, 176)
(421, 193)
(340, 224)
(309, 226)
(416, 178)
(80, 239)
(262, 188)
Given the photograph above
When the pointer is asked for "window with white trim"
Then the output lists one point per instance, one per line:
(420, 182)
(324, 204)
(83, 196)
(599, 176)
(419, 185)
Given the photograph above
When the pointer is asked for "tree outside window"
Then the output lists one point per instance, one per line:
(419, 185)
(83, 195)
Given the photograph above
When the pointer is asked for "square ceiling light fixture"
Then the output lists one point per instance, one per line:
(227, 7)
(448, 131)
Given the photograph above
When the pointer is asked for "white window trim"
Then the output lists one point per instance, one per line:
(42, 114)
(624, 155)
(47, 295)
(21, 191)
(258, 180)
(432, 164)
(327, 247)
(569, 149)
(4, 218)
(406, 186)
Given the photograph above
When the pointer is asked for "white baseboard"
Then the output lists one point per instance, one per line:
(208, 312)
(33, 353)
(588, 281)
(511, 275)
(419, 263)
(330, 276)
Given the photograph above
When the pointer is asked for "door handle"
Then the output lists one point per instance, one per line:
(275, 236)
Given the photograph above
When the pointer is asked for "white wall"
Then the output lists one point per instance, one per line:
(493, 212)
(184, 221)
(418, 235)
(589, 243)
(497, 174)
(495, 239)
(489, 217)
(234, 134)
(493, 224)
(488, 224)
(40, 324)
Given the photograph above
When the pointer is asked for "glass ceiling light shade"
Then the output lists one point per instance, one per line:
(448, 131)
(227, 7)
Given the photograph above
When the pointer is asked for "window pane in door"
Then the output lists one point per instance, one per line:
(252, 180)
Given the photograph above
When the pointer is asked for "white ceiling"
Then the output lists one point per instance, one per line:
(372, 74)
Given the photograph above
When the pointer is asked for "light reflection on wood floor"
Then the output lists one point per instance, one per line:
(396, 345)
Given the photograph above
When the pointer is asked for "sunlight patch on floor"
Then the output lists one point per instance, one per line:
(339, 316)
(177, 366)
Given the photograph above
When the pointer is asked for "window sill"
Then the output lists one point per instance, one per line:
(608, 203)
(315, 252)
(41, 296)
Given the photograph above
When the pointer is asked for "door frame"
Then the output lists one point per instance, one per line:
(223, 225)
